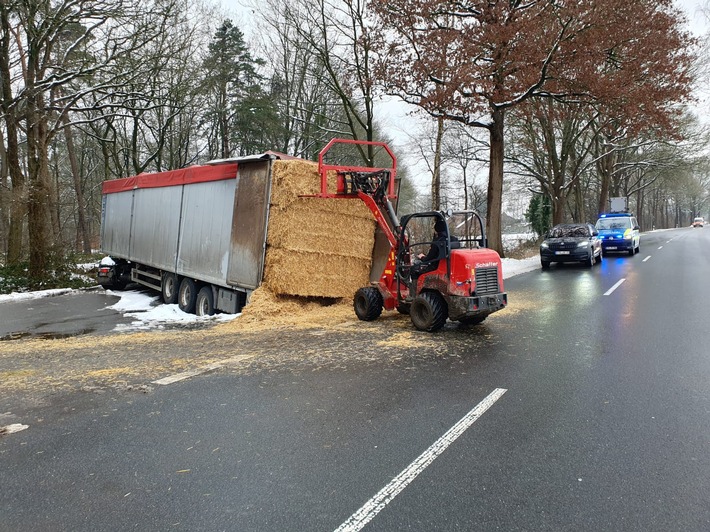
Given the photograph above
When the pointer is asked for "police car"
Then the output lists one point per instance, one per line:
(619, 231)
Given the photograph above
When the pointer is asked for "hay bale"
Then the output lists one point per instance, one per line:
(316, 247)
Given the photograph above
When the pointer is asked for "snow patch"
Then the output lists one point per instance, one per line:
(148, 313)
(22, 296)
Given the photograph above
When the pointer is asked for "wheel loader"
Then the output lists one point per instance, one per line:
(460, 280)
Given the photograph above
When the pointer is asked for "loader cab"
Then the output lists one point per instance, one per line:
(424, 257)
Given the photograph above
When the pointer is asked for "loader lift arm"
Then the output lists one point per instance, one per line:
(374, 186)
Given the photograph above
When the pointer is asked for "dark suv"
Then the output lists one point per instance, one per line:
(571, 243)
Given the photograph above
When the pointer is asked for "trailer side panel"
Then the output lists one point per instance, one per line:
(155, 225)
(205, 230)
(116, 224)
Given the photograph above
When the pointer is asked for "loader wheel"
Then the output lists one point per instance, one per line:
(169, 288)
(204, 304)
(428, 311)
(187, 295)
(368, 303)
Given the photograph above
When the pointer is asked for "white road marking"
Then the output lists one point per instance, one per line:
(11, 429)
(375, 505)
(660, 247)
(644, 260)
(199, 371)
(617, 285)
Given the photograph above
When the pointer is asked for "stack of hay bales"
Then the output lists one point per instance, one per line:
(316, 247)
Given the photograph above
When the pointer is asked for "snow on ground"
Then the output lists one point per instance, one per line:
(148, 313)
(21, 296)
(513, 267)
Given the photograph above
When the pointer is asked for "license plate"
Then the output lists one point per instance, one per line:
(561, 252)
(611, 247)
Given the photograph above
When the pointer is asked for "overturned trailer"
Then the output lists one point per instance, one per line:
(197, 235)
(207, 236)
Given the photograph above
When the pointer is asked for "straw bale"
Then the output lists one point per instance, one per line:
(315, 224)
(316, 247)
(314, 274)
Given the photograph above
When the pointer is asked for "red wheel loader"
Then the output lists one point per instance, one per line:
(460, 279)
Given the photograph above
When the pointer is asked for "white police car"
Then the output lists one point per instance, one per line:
(619, 231)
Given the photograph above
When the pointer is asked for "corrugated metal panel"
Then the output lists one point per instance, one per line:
(205, 230)
(116, 224)
(251, 214)
(155, 226)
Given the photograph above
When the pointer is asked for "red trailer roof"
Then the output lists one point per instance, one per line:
(184, 176)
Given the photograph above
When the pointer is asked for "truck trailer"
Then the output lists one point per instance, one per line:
(197, 235)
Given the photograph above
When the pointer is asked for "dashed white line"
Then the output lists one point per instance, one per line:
(11, 429)
(187, 374)
(199, 371)
(372, 507)
(644, 260)
(660, 247)
(611, 290)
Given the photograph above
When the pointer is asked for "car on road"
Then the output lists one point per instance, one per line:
(619, 231)
(699, 222)
(577, 242)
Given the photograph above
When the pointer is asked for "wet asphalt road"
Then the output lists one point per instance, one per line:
(604, 425)
(61, 316)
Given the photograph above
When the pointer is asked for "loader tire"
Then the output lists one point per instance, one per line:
(187, 295)
(368, 303)
(428, 311)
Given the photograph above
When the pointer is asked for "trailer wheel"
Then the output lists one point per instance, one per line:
(368, 303)
(428, 311)
(187, 295)
(169, 288)
(204, 305)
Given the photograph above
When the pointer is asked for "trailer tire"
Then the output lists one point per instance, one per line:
(368, 303)
(187, 296)
(169, 288)
(204, 304)
(429, 311)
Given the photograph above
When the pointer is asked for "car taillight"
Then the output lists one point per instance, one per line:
(104, 270)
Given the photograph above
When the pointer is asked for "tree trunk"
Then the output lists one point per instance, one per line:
(12, 154)
(558, 208)
(83, 228)
(39, 195)
(495, 182)
(436, 175)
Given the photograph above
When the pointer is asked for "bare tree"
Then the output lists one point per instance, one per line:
(475, 61)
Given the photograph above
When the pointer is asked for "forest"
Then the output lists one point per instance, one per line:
(544, 107)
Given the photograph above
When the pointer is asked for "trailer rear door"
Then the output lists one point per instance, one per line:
(251, 216)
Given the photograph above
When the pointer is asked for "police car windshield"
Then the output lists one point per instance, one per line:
(613, 223)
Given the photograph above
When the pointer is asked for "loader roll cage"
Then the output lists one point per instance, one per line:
(466, 226)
